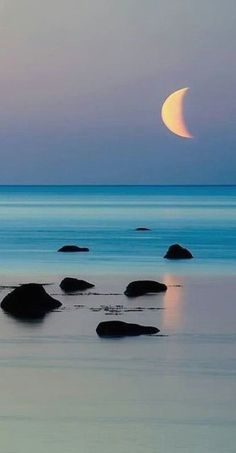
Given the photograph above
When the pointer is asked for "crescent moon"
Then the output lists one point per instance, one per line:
(172, 113)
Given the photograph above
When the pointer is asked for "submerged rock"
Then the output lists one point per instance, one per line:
(177, 252)
(73, 248)
(69, 284)
(122, 329)
(29, 301)
(142, 229)
(141, 287)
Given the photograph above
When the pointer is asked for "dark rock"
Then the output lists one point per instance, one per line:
(122, 329)
(29, 301)
(73, 284)
(142, 229)
(141, 287)
(176, 252)
(73, 248)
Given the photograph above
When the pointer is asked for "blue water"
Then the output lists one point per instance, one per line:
(64, 389)
(36, 220)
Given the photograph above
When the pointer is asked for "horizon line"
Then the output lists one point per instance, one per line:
(117, 185)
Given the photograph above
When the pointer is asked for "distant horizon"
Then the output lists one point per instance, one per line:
(117, 185)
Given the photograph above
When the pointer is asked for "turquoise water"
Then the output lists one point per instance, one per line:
(63, 389)
(35, 221)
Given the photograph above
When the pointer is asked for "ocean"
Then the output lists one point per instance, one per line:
(64, 389)
(37, 220)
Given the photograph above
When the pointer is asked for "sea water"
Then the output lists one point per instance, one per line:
(64, 389)
(35, 221)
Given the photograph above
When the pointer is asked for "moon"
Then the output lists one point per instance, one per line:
(172, 113)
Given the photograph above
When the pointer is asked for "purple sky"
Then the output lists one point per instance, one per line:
(82, 84)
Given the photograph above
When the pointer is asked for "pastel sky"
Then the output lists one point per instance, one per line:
(82, 83)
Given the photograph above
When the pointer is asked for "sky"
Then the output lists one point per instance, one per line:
(82, 83)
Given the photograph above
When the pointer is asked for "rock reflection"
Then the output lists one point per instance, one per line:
(27, 321)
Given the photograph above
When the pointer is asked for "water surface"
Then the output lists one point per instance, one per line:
(37, 220)
(66, 390)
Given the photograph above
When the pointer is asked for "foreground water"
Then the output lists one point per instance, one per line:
(66, 390)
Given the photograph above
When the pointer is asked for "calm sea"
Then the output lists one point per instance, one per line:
(63, 389)
(35, 221)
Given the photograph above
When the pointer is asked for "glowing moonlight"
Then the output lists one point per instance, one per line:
(172, 113)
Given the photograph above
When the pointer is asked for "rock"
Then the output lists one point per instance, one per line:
(176, 252)
(73, 248)
(122, 329)
(141, 287)
(142, 229)
(29, 301)
(73, 284)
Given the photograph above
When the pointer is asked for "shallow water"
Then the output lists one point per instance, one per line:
(66, 390)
